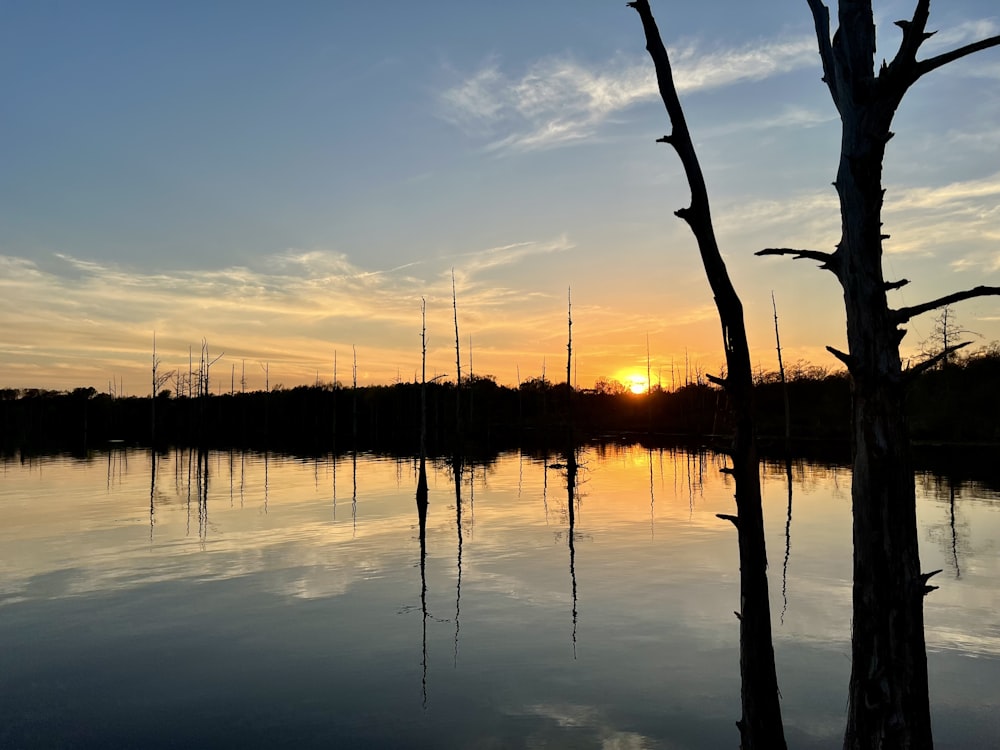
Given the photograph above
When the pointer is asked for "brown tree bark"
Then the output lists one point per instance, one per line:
(761, 724)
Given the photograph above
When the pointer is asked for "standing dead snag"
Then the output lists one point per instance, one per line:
(760, 725)
(888, 704)
(422, 475)
(160, 379)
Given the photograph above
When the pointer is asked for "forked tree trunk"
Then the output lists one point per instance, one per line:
(888, 705)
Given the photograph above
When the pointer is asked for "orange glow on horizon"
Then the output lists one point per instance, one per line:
(633, 380)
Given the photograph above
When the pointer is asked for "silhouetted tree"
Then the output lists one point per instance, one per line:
(944, 336)
(760, 725)
(888, 705)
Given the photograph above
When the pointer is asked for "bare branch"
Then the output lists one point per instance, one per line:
(929, 363)
(933, 63)
(913, 37)
(904, 314)
(827, 261)
(821, 20)
(890, 285)
(726, 517)
(847, 359)
(925, 577)
(718, 381)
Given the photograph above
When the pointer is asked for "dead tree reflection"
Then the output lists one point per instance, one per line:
(457, 470)
(788, 540)
(422, 503)
(152, 491)
(202, 489)
(652, 497)
(354, 493)
(951, 523)
(571, 479)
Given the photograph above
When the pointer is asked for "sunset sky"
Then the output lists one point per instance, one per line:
(287, 180)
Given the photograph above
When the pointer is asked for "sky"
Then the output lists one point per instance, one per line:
(287, 181)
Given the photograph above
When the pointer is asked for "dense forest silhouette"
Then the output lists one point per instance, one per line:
(955, 403)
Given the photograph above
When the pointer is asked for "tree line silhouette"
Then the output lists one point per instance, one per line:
(956, 402)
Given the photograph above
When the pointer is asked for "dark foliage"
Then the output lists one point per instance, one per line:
(957, 403)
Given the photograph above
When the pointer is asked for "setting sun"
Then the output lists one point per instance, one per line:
(634, 381)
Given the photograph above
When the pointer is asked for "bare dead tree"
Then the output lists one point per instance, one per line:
(569, 336)
(888, 704)
(205, 368)
(940, 346)
(160, 379)
(760, 725)
(422, 475)
(781, 374)
(471, 382)
(354, 398)
(570, 398)
(458, 361)
(336, 387)
(266, 367)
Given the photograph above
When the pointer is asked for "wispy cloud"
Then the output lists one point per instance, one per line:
(946, 38)
(959, 221)
(558, 100)
(99, 317)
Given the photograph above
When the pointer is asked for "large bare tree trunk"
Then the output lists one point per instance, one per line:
(888, 696)
(760, 725)
(888, 705)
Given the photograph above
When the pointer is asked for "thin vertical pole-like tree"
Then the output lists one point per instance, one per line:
(569, 336)
(354, 397)
(159, 380)
(336, 387)
(422, 475)
(781, 374)
(458, 362)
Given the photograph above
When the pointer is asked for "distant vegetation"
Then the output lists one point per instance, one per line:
(957, 402)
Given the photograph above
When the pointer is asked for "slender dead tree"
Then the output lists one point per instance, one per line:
(569, 336)
(781, 374)
(266, 367)
(760, 725)
(354, 398)
(160, 379)
(888, 705)
(422, 475)
(470, 381)
(570, 397)
(458, 361)
(336, 387)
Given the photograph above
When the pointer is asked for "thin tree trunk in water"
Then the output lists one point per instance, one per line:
(781, 373)
(422, 475)
(458, 367)
(761, 724)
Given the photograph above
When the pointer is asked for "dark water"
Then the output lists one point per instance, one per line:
(252, 601)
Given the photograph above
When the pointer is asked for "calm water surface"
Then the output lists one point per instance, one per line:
(245, 600)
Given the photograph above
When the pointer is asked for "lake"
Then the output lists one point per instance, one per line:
(257, 600)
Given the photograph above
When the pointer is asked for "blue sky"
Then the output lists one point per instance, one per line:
(288, 180)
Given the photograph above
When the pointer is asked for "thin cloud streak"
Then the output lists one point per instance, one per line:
(558, 101)
(292, 309)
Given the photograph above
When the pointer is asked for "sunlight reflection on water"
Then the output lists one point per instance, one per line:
(274, 600)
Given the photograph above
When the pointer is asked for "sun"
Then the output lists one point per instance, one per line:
(634, 382)
(631, 380)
